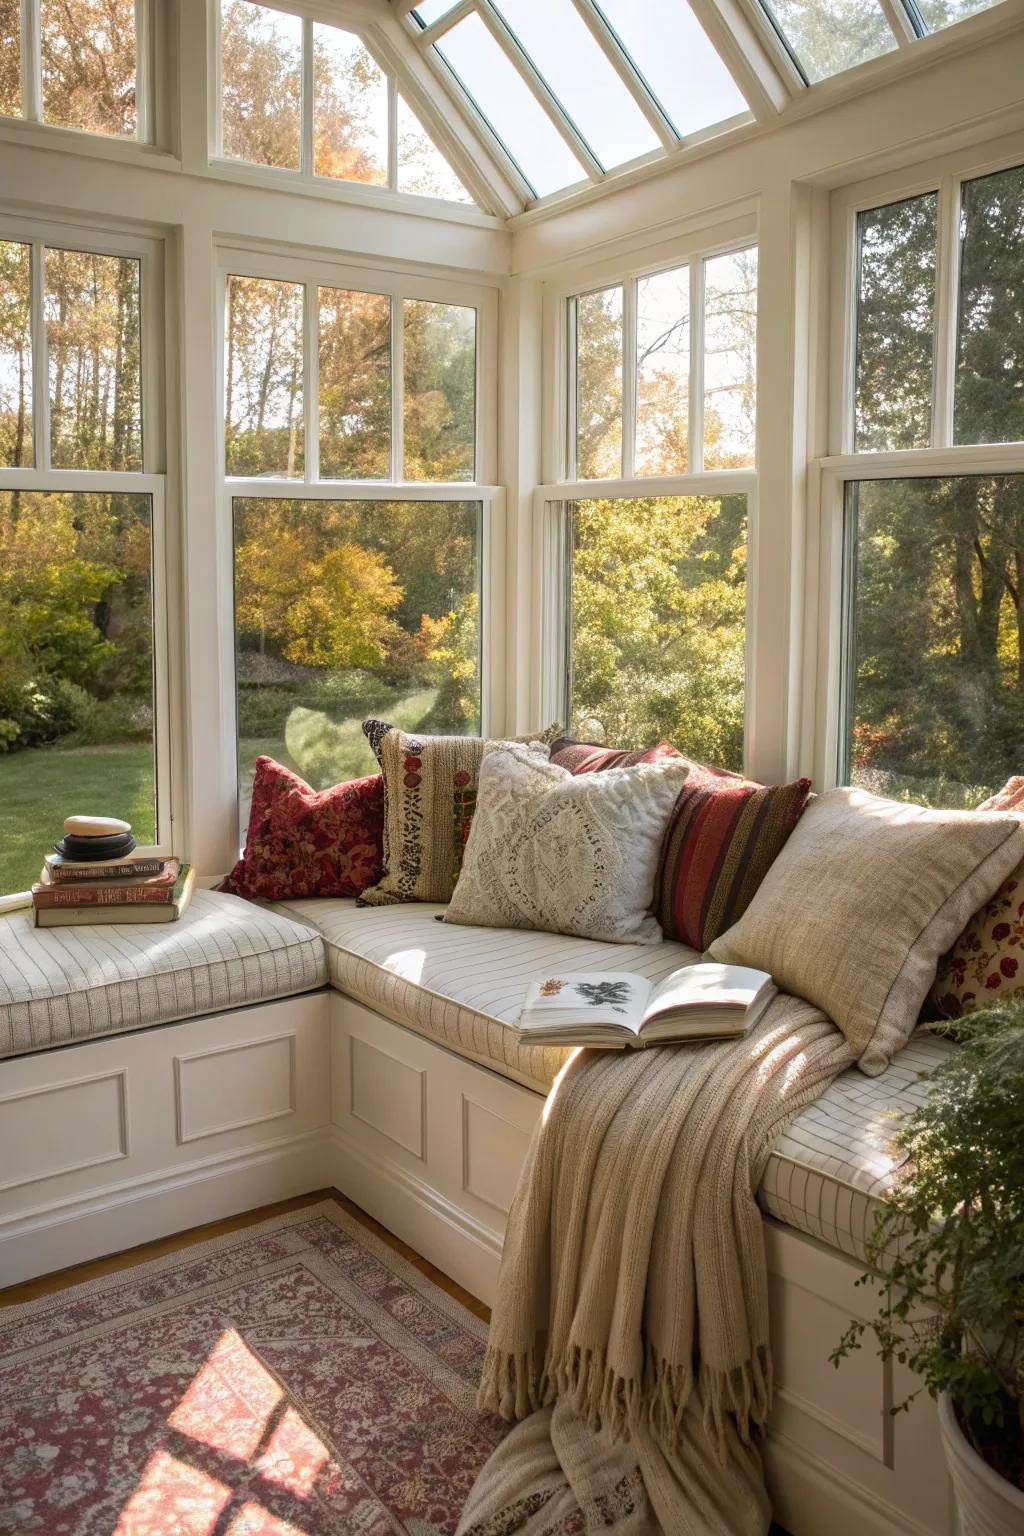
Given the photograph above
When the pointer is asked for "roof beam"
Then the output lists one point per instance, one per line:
(752, 53)
(628, 73)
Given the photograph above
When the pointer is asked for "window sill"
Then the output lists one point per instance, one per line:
(78, 141)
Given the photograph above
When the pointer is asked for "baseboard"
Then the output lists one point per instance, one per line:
(464, 1248)
(137, 1211)
(810, 1498)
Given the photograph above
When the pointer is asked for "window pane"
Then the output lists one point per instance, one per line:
(10, 58)
(663, 373)
(440, 391)
(506, 101)
(355, 385)
(351, 109)
(88, 54)
(95, 361)
(673, 53)
(429, 11)
(15, 355)
(989, 405)
(263, 378)
(261, 84)
(76, 669)
(937, 14)
(896, 324)
(598, 324)
(422, 168)
(658, 618)
(566, 53)
(346, 609)
(935, 706)
(730, 359)
(831, 35)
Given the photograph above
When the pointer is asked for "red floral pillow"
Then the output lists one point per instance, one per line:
(307, 842)
(986, 964)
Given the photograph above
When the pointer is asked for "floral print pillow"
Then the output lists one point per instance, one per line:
(986, 964)
(307, 842)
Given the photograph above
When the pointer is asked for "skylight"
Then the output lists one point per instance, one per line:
(575, 90)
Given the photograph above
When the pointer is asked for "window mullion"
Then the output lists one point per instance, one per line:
(946, 272)
(31, 61)
(307, 152)
(40, 361)
(143, 75)
(629, 303)
(397, 388)
(392, 132)
(311, 379)
(696, 402)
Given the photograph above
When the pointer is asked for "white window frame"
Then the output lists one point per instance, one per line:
(150, 481)
(562, 486)
(249, 261)
(826, 684)
(32, 77)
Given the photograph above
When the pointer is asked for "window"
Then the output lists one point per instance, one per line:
(646, 397)
(826, 36)
(667, 44)
(932, 686)
(657, 623)
(351, 424)
(87, 71)
(81, 672)
(342, 127)
(647, 583)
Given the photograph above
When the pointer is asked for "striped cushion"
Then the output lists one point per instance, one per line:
(724, 835)
(463, 986)
(584, 757)
(62, 985)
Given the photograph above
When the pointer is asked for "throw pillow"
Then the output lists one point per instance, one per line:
(861, 902)
(723, 838)
(566, 853)
(430, 792)
(587, 757)
(986, 964)
(307, 842)
(1009, 798)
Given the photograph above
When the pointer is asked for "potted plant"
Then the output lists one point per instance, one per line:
(948, 1261)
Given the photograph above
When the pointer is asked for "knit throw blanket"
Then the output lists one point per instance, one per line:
(632, 1312)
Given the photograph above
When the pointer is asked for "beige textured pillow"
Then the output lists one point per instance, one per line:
(564, 853)
(859, 905)
(430, 788)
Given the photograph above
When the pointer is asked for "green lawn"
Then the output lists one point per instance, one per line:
(39, 787)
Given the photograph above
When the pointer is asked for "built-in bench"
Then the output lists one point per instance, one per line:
(156, 1077)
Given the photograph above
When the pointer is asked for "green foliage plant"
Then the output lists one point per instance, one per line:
(947, 1251)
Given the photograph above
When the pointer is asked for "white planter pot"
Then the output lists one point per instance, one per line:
(986, 1503)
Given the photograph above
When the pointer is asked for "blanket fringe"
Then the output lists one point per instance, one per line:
(516, 1385)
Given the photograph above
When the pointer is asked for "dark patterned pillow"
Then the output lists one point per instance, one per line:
(723, 837)
(307, 842)
(587, 757)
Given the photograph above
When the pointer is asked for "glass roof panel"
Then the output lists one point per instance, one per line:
(517, 117)
(674, 54)
(564, 50)
(937, 14)
(429, 11)
(827, 36)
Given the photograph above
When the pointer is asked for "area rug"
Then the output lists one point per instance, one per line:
(296, 1378)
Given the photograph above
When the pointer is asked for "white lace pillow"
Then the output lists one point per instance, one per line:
(564, 853)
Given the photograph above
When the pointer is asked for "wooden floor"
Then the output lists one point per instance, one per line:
(48, 1284)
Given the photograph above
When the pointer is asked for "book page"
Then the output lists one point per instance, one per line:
(611, 997)
(704, 985)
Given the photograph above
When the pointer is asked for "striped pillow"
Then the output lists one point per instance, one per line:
(724, 835)
(588, 757)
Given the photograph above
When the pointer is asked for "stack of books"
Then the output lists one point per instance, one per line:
(77, 884)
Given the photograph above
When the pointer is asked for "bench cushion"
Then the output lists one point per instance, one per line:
(62, 985)
(464, 986)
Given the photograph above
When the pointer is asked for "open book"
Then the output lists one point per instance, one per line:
(617, 1008)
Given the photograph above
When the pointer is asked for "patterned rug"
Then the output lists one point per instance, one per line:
(297, 1378)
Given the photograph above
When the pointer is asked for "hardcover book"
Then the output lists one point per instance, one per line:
(124, 911)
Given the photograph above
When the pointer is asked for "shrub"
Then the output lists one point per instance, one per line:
(42, 710)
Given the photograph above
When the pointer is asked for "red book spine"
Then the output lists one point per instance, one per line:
(99, 895)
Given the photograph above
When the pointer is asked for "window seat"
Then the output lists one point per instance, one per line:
(63, 986)
(464, 987)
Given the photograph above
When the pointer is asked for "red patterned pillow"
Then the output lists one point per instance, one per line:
(586, 757)
(986, 964)
(307, 842)
(724, 836)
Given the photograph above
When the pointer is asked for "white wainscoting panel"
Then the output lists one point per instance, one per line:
(230, 1087)
(389, 1094)
(493, 1150)
(85, 1123)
